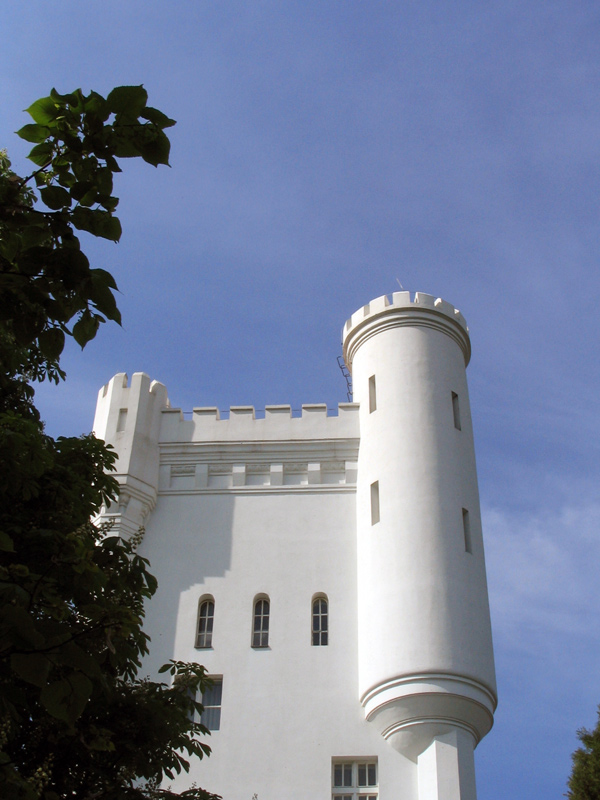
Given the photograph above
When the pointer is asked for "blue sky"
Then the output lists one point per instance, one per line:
(323, 152)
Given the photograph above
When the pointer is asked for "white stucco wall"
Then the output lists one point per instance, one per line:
(287, 710)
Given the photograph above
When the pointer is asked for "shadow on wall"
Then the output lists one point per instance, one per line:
(188, 539)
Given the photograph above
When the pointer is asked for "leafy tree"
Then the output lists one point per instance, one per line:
(584, 783)
(76, 720)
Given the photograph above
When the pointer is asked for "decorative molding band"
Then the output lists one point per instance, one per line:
(250, 490)
(429, 677)
(192, 475)
(260, 451)
(431, 720)
(413, 317)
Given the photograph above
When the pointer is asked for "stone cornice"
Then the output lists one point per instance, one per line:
(259, 490)
(282, 451)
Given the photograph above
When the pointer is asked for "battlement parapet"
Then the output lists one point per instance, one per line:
(402, 308)
(278, 423)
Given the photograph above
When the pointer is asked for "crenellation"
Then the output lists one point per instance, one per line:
(244, 413)
(400, 300)
(421, 310)
(210, 412)
(314, 421)
(283, 410)
(379, 304)
(423, 299)
(309, 409)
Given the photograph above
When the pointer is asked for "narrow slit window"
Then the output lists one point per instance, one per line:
(320, 622)
(456, 410)
(122, 420)
(206, 615)
(260, 625)
(467, 531)
(372, 395)
(374, 503)
(211, 700)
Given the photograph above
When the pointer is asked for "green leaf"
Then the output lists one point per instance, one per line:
(34, 235)
(108, 226)
(19, 626)
(33, 133)
(82, 219)
(55, 197)
(69, 266)
(85, 328)
(95, 105)
(106, 277)
(67, 698)
(6, 543)
(89, 198)
(51, 342)
(125, 146)
(33, 260)
(44, 111)
(31, 667)
(129, 100)
(97, 222)
(64, 99)
(157, 117)
(104, 180)
(74, 656)
(66, 178)
(156, 151)
(108, 202)
(41, 154)
(103, 298)
(80, 189)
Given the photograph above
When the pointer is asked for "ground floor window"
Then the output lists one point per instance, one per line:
(211, 700)
(354, 780)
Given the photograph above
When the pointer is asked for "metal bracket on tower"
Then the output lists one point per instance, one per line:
(347, 376)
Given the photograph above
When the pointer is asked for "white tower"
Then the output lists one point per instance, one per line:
(426, 667)
(129, 418)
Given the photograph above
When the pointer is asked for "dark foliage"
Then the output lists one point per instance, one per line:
(76, 720)
(584, 783)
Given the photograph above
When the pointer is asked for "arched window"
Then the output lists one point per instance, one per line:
(260, 623)
(320, 623)
(206, 615)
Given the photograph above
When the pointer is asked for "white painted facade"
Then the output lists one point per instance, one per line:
(375, 509)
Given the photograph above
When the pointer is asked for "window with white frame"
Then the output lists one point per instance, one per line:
(206, 615)
(260, 623)
(354, 780)
(320, 621)
(211, 700)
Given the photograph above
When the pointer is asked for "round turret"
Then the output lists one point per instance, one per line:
(426, 666)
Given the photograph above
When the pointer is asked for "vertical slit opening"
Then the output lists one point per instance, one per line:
(467, 531)
(372, 394)
(374, 503)
(122, 420)
(456, 410)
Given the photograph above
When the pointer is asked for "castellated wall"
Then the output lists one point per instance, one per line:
(372, 508)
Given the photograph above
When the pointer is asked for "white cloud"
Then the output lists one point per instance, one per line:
(543, 576)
